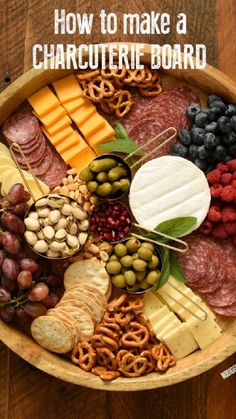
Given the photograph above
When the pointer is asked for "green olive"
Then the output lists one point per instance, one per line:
(126, 261)
(113, 257)
(113, 267)
(102, 177)
(92, 186)
(130, 277)
(115, 187)
(102, 165)
(145, 253)
(132, 288)
(117, 173)
(141, 275)
(86, 174)
(104, 189)
(133, 245)
(154, 262)
(144, 284)
(149, 245)
(125, 184)
(135, 256)
(118, 280)
(153, 277)
(139, 265)
(120, 250)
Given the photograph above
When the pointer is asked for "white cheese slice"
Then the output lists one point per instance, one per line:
(159, 315)
(204, 332)
(180, 341)
(172, 323)
(169, 187)
(151, 303)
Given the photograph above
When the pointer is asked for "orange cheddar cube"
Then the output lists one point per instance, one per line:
(69, 142)
(64, 122)
(43, 101)
(95, 123)
(67, 89)
(53, 116)
(59, 136)
(82, 114)
(82, 160)
(74, 104)
(105, 134)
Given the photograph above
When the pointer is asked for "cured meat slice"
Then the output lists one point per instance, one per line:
(20, 128)
(33, 156)
(41, 168)
(53, 177)
(226, 311)
(223, 296)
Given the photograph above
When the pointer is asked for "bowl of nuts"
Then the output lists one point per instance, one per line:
(56, 227)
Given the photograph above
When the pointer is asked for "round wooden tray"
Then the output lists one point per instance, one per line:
(209, 80)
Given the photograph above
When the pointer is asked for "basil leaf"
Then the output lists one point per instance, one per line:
(165, 270)
(175, 268)
(120, 131)
(176, 227)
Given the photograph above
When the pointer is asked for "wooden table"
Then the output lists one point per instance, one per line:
(26, 392)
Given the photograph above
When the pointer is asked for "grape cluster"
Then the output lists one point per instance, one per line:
(25, 286)
(212, 138)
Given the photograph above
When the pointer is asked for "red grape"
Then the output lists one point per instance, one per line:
(12, 223)
(22, 316)
(17, 194)
(20, 209)
(53, 280)
(4, 295)
(28, 264)
(39, 292)
(10, 243)
(35, 309)
(51, 300)
(2, 257)
(9, 285)
(24, 279)
(10, 269)
(7, 313)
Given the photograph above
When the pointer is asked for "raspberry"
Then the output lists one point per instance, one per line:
(216, 191)
(230, 228)
(213, 177)
(234, 183)
(228, 214)
(214, 214)
(233, 238)
(228, 193)
(205, 227)
(225, 178)
(231, 164)
(222, 167)
(234, 175)
(219, 232)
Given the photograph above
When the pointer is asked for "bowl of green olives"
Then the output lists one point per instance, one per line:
(108, 176)
(134, 265)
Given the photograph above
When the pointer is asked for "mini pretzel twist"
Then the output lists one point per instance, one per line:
(151, 364)
(106, 358)
(134, 77)
(105, 374)
(115, 73)
(121, 102)
(115, 327)
(117, 302)
(132, 304)
(99, 341)
(84, 355)
(105, 107)
(163, 357)
(136, 336)
(122, 352)
(133, 366)
(152, 89)
(98, 88)
(88, 74)
(123, 319)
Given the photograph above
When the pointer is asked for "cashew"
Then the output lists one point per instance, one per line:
(41, 246)
(93, 248)
(32, 224)
(31, 237)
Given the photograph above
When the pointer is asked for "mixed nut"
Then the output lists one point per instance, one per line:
(56, 226)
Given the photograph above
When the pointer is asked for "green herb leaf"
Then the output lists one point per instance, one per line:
(122, 143)
(165, 271)
(175, 268)
(176, 227)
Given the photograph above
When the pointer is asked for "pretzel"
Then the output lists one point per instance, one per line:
(117, 302)
(100, 341)
(121, 102)
(109, 315)
(134, 77)
(115, 327)
(88, 74)
(133, 366)
(136, 337)
(163, 357)
(123, 319)
(151, 364)
(148, 79)
(105, 107)
(104, 330)
(98, 88)
(144, 321)
(154, 90)
(105, 374)
(84, 355)
(132, 304)
(122, 352)
(106, 358)
(113, 73)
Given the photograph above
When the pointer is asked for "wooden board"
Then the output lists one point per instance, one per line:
(208, 80)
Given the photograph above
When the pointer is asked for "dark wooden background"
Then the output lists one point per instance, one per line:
(26, 393)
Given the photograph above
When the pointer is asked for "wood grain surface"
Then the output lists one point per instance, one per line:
(26, 392)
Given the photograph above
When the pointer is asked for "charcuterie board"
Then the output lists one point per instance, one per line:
(202, 83)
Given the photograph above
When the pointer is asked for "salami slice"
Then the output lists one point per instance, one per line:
(226, 311)
(53, 177)
(20, 128)
(34, 157)
(45, 164)
(223, 296)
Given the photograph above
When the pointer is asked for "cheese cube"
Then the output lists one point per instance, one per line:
(204, 332)
(82, 160)
(52, 117)
(151, 303)
(105, 134)
(59, 125)
(74, 104)
(69, 142)
(180, 341)
(43, 101)
(95, 123)
(71, 154)
(59, 136)
(82, 114)
(67, 88)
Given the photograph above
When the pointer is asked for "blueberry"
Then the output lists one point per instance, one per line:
(179, 149)
(192, 110)
(213, 114)
(193, 151)
(224, 124)
(220, 153)
(230, 110)
(210, 141)
(227, 158)
(201, 119)
(206, 111)
(197, 135)
(212, 127)
(219, 105)
(233, 122)
(213, 98)
(229, 138)
(201, 164)
(184, 136)
(232, 150)
(203, 153)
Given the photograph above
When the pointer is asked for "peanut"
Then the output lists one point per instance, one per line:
(92, 248)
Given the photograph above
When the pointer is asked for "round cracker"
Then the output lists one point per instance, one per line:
(94, 290)
(96, 307)
(75, 303)
(83, 319)
(87, 272)
(67, 319)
